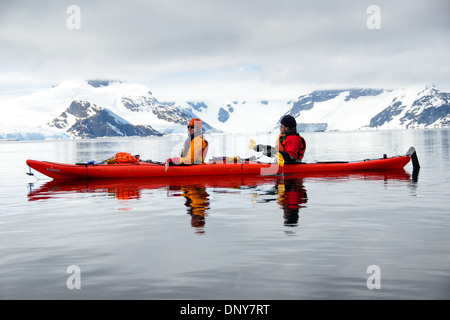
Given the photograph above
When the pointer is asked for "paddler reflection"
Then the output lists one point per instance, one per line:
(291, 197)
(197, 204)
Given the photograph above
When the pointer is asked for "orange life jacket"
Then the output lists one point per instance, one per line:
(194, 150)
(125, 157)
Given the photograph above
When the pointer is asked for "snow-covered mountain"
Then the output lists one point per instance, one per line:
(428, 108)
(85, 120)
(100, 108)
(348, 109)
(358, 109)
(238, 116)
(95, 108)
(145, 106)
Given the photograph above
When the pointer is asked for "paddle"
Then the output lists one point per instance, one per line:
(280, 159)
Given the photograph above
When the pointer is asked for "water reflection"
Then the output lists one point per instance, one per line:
(288, 191)
(197, 204)
(292, 196)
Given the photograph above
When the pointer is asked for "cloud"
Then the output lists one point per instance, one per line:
(175, 44)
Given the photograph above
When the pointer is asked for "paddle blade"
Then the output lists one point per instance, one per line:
(252, 144)
(167, 164)
(280, 159)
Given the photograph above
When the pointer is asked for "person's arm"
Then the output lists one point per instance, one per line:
(267, 150)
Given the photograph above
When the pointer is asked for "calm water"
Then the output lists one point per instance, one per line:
(235, 238)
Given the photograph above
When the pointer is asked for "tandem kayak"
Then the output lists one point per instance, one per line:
(145, 169)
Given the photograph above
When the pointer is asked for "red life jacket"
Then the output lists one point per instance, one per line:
(281, 144)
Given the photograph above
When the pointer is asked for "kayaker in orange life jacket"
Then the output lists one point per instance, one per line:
(195, 147)
(289, 143)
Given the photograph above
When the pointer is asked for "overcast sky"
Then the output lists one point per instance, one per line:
(233, 49)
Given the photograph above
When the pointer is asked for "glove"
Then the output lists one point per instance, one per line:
(268, 151)
(175, 160)
(172, 161)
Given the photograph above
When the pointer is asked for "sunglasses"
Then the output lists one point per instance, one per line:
(190, 127)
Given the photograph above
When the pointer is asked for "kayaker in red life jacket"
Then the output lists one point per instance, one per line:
(289, 143)
(195, 147)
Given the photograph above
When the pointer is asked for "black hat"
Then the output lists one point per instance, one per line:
(289, 122)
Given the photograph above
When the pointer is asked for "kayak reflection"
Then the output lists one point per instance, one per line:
(289, 191)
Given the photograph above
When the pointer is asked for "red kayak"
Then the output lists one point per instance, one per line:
(145, 169)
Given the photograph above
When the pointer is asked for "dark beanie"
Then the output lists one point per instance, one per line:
(289, 122)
